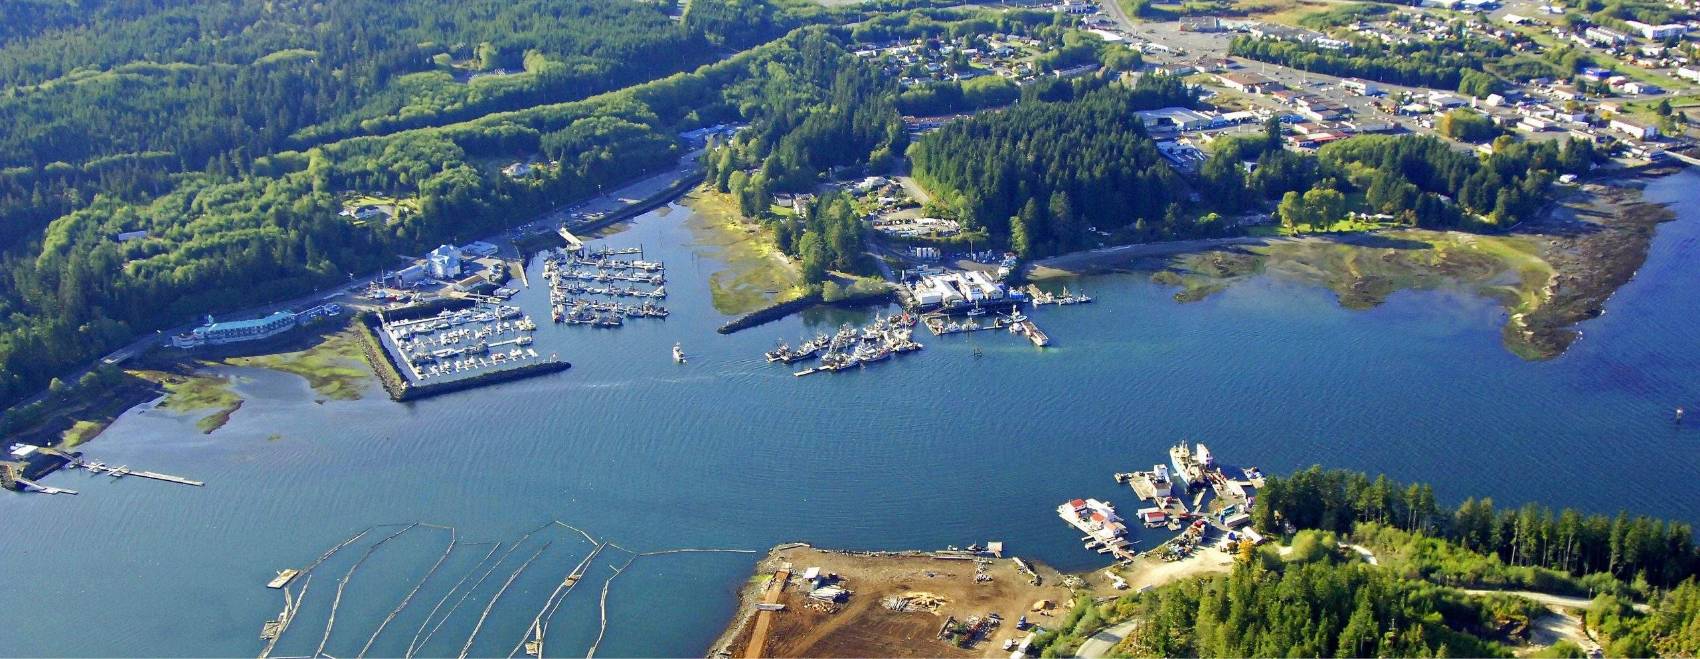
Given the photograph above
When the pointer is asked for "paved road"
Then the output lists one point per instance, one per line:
(1100, 644)
(1114, 9)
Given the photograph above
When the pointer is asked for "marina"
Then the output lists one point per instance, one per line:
(487, 335)
(588, 286)
(851, 346)
(1041, 297)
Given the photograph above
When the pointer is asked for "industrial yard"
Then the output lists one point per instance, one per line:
(935, 590)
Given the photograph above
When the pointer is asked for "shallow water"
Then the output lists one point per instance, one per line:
(930, 449)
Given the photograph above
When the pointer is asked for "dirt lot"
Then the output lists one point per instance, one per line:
(861, 626)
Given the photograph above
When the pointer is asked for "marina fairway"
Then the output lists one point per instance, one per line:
(941, 447)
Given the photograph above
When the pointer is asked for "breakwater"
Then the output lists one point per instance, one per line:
(780, 310)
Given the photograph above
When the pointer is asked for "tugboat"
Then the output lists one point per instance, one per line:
(678, 354)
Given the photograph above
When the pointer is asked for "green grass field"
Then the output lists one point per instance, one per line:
(197, 393)
(335, 367)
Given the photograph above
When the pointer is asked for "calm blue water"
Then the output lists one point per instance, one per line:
(728, 451)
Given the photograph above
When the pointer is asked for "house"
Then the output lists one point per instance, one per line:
(368, 211)
(1635, 129)
(1688, 73)
(518, 170)
(128, 236)
(1637, 88)
(443, 263)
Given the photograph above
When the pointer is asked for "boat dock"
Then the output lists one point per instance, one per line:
(1042, 297)
(1103, 528)
(122, 471)
(1030, 330)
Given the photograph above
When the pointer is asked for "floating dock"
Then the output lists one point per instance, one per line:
(122, 471)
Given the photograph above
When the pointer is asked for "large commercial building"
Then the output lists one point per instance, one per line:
(956, 289)
(216, 333)
(443, 263)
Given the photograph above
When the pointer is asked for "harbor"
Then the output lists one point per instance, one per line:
(350, 475)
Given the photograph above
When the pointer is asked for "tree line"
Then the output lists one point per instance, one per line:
(1067, 157)
(1657, 553)
(1436, 65)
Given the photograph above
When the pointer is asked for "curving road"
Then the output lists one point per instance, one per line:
(1100, 644)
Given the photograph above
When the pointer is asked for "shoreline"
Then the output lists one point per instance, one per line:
(1594, 237)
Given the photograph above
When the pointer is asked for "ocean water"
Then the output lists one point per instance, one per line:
(727, 451)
